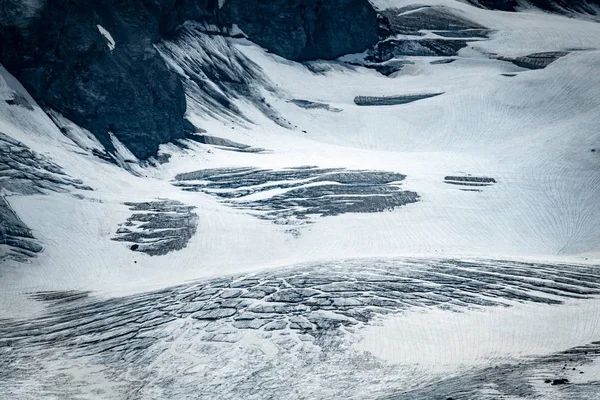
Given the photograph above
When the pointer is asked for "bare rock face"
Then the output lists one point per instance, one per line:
(559, 6)
(395, 24)
(95, 61)
(305, 29)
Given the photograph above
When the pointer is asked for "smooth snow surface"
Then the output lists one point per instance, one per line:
(445, 340)
(446, 247)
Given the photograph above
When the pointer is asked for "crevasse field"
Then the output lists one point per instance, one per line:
(315, 241)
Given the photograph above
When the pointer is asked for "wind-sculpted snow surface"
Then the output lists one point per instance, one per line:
(321, 230)
(533, 378)
(294, 195)
(245, 334)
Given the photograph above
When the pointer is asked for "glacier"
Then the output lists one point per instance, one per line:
(417, 221)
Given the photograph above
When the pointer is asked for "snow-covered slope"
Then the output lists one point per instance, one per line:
(402, 227)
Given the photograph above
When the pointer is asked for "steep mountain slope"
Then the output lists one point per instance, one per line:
(419, 220)
(96, 62)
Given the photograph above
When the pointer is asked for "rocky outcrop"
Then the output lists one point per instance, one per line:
(412, 20)
(16, 239)
(388, 49)
(25, 172)
(295, 197)
(305, 29)
(560, 6)
(403, 33)
(95, 61)
(159, 227)
(536, 60)
(392, 100)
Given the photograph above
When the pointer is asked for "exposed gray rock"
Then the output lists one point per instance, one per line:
(19, 100)
(455, 31)
(337, 191)
(536, 60)
(444, 61)
(15, 235)
(413, 19)
(392, 100)
(390, 48)
(158, 227)
(307, 104)
(502, 5)
(25, 172)
(62, 58)
(516, 380)
(305, 29)
(224, 144)
(387, 68)
(468, 180)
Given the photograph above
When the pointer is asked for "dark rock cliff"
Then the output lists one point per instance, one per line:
(559, 6)
(58, 50)
(61, 57)
(305, 29)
